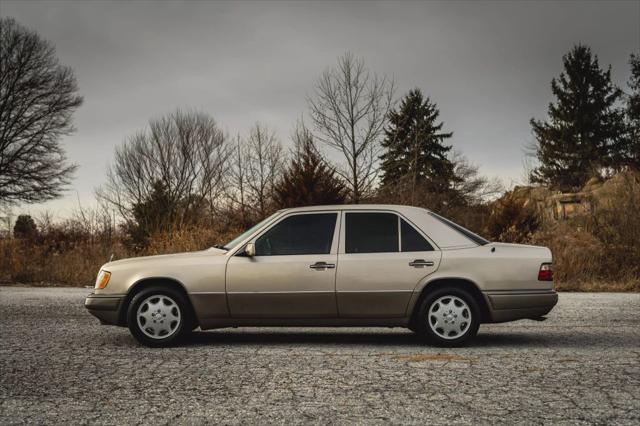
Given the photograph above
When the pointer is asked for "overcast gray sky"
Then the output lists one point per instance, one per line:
(487, 65)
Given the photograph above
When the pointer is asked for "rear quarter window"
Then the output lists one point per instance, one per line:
(464, 231)
(411, 240)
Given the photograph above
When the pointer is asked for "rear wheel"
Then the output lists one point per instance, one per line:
(159, 316)
(448, 316)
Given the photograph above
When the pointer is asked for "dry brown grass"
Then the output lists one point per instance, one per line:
(76, 263)
(582, 261)
(600, 252)
(25, 262)
(630, 286)
(191, 239)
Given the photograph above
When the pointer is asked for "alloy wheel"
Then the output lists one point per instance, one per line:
(449, 317)
(158, 316)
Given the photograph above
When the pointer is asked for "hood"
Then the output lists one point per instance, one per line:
(163, 258)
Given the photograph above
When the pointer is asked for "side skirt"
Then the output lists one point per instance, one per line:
(210, 323)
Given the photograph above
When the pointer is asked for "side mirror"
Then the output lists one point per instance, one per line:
(250, 249)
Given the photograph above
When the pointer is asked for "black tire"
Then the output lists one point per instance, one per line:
(422, 326)
(166, 338)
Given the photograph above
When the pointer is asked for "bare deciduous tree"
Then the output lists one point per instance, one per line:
(236, 187)
(184, 154)
(37, 99)
(264, 164)
(471, 186)
(349, 110)
(98, 223)
(302, 139)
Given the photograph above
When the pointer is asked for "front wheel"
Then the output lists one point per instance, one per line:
(448, 317)
(158, 316)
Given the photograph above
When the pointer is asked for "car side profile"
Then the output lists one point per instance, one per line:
(346, 265)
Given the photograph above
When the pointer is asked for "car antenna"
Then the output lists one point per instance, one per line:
(111, 257)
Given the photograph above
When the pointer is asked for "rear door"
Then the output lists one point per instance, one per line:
(382, 258)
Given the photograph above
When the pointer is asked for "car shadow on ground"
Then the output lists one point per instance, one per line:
(286, 337)
(489, 339)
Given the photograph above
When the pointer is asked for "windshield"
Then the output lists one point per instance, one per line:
(237, 240)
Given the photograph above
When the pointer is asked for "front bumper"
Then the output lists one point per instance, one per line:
(513, 305)
(105, 307)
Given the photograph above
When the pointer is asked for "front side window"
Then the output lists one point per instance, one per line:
(299, 234)
(371, 233)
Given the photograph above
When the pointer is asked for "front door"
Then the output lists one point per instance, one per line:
(293, 272)
(382, 259)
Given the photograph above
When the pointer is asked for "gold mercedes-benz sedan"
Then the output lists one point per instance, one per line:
(355, 265)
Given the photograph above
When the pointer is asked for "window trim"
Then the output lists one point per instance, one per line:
(399, 234)
(342, 248)
(334, 240)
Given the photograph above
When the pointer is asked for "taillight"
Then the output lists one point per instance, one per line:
(546, 272)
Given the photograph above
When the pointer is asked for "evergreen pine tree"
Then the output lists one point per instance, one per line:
(633, 112)
(584, 134)
(414, 145)
(308, 181)
(25, 227)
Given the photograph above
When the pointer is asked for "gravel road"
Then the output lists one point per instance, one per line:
(58, 365)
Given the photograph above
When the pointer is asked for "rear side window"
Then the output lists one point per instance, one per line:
(464, 231)
(299, 234)
(411, 239)
(371, 233)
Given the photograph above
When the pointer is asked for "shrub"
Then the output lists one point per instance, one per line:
(600, 251)
(512, 220)
(25, 227)
(309, 181)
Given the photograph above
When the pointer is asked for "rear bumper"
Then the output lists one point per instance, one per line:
(513, 305)
(104, 307)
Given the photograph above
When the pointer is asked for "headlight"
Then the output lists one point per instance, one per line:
(103, 279)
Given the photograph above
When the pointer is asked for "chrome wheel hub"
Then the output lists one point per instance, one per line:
(158, 316)
(449, 317)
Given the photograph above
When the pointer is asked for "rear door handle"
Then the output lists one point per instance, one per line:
(421, 263)
(322, 265)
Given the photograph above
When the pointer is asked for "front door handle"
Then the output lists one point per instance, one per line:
(322, 265)
(421, 263)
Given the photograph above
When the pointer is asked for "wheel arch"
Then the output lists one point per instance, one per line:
(146, 282)
(463, 283)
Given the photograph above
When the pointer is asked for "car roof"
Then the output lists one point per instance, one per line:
(396, 207)
(442, 234)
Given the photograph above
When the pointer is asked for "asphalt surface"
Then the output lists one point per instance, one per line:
(58, 365)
